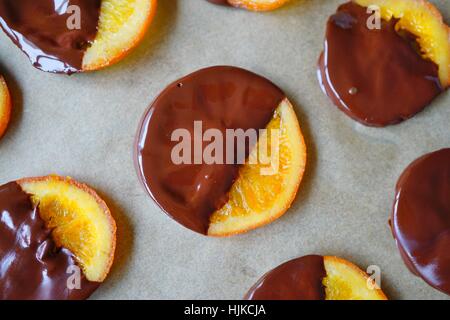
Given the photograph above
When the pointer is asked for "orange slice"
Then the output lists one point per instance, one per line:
(258, 5)
(423, 20)
(264, 190)
(80, 221)
(5, 106)
(122, 26)
(345, 281)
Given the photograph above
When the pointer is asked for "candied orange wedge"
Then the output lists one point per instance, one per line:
(263, 191)
(422, 19)
(5, 106)
(122, 26)
(258, 5)
(345, 281)
(79, 219)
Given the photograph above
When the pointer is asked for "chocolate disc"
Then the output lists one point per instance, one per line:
(377, 76)
(421, 218)
(32, 267)
(48, 33)
(298, 279)
(218, 98)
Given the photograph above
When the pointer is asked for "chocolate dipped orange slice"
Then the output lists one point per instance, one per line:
(5, 106)
(75, 35)
(316, 277)
(58, 239)
(221, 151)
(385, 61)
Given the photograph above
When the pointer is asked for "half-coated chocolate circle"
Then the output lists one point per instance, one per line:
(32, 266)
(376, 76)
(421, 218)
(218, 98)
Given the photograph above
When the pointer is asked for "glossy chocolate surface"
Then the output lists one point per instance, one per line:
(222, 98)
(298, 279)
(43, 30)
(220, 2)
(377, 77)
(31, 266)
(421, 218)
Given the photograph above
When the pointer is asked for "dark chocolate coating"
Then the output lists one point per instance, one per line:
(421, 218)
(220, 2)
(41, 30)
(222, 98)
(298, 279)
(377, 77)
(31, 266)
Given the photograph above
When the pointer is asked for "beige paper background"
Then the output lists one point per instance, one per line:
(84, 126)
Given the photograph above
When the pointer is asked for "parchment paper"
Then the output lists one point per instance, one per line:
(84, 126)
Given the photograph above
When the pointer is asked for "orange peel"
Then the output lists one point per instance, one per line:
(346, 281)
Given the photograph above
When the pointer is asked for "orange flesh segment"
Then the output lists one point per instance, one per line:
(122, 25)
(257, 198)
(79, 219)
(422, 19)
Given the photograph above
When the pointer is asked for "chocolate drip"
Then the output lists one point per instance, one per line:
(31, 266)
(298, 279)
(222, 98)
(220, 2)
(377, 77)
(421, 218)
(41, 30)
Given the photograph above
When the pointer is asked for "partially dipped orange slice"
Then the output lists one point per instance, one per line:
(57, 239)
(385, 61)
(69, 37)
(221, 151)
(316, 277)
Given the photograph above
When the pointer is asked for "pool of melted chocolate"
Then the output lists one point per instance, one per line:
(32, 267)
